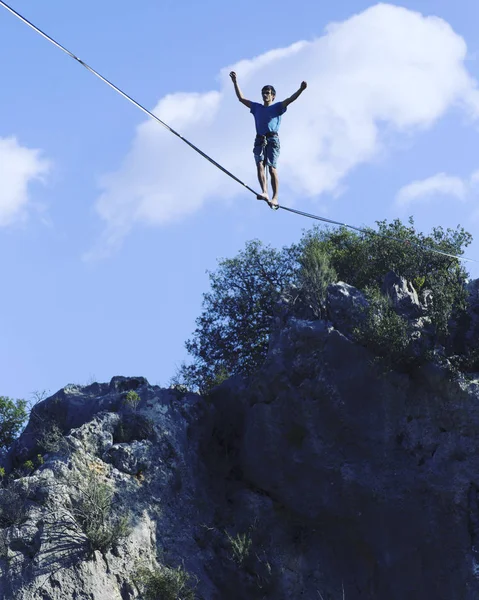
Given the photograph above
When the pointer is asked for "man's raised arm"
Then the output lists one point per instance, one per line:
(239, 93)
(296, 95)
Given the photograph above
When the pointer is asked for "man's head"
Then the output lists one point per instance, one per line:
(268, 93)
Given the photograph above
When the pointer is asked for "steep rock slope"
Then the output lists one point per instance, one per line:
(324, 474)
(379, 468)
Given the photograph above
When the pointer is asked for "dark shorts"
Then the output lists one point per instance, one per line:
(268, 152)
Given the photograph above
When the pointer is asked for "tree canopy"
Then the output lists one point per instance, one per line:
(363, 259)
(12, 417)
(232, 332)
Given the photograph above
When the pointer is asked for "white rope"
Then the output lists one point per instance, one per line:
(150, 114)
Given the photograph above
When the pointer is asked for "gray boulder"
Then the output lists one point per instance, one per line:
(402, 295)
(346, 306)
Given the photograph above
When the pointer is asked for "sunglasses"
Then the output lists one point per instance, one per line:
(266, 91)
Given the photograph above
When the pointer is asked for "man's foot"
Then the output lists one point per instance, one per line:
(264, 196)
(273, 203)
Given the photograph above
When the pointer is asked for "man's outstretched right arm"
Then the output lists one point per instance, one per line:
(239, 93)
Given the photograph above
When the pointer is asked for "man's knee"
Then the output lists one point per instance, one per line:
(272, 170)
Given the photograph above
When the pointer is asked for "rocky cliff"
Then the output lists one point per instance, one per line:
(323, 476)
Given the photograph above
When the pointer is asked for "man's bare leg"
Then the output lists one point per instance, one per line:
(262, 181)
(274, 185)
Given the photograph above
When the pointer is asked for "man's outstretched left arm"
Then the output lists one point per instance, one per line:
(296, 95)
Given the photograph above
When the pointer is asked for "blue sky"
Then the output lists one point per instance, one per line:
(108, 223)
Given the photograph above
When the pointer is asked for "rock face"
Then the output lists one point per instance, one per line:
(149, 459)
(472, 333)
(381, 470)
(323, 476)
(402, 294)
(346, 306)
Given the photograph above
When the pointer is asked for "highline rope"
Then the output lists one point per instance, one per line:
(203, 154)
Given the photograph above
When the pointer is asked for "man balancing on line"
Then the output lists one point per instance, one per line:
(267, 118)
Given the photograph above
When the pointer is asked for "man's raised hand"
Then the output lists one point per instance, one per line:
(304, 85)
(233, 76)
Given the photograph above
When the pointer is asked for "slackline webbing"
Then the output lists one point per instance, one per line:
(204, 155)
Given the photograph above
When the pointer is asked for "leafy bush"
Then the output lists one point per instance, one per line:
(164, 583)
(93, 511)
(51, 438)
(132, 399)
(28, 467)
(240, 546)
(13, 414)
(13, 507)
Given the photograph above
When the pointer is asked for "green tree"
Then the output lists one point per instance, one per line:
(231, 334)
(165, 582)
(314, 275)
(363, 259)
(13, 414)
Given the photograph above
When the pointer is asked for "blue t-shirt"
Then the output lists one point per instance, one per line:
(267, 118)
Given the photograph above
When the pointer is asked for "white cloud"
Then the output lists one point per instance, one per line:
(19, 166)
(438, 185)
(387, 68)
(428, 189)
(474, 179)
